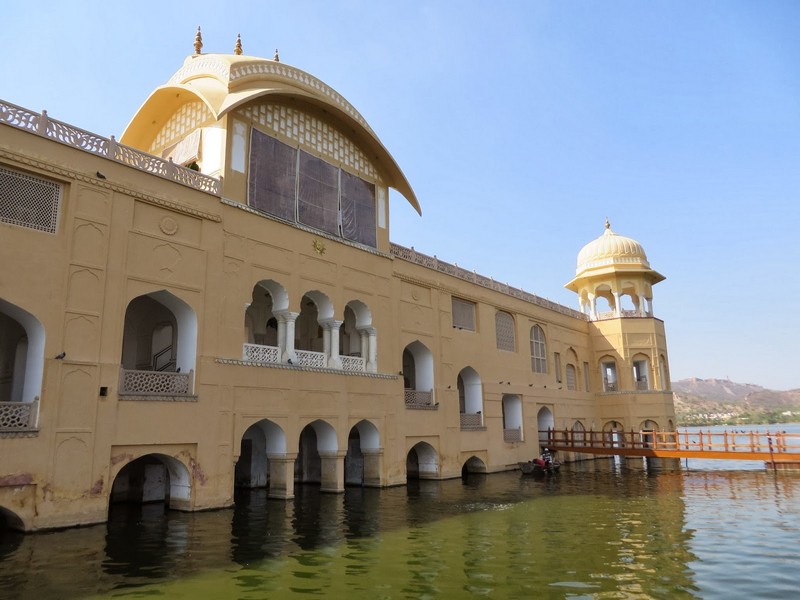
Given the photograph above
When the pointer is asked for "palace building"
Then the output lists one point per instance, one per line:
(213, 301)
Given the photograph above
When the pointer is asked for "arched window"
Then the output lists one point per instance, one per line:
(538, 350)
(504, 331)
(608, 368)
(571, 378)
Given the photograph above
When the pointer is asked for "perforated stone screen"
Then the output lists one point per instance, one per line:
(504, 325)
(29, 201)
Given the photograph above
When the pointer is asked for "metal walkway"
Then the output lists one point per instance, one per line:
(773, 447)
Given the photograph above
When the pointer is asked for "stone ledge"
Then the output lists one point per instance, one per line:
(19, 433)
(155, 398)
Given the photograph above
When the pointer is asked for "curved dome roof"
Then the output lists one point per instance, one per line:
(224, 82)
(609, 249)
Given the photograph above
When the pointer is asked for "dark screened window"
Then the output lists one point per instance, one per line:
(318, 194)
(273, 173)
(358, 209)
(301, 188)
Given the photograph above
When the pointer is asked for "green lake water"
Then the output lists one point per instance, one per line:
(600, 529)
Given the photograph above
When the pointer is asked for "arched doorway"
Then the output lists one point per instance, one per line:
(21, 366)
(422, 462)
(473, 465)
(362, 462)
(159, 346)
(260, 440)
(153, 478)
(418, 375)
(317, 457)
(545, 422)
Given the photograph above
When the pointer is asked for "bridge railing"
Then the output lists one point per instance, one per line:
(777, 442)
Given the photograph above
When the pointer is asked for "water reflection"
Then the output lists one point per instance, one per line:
(600, 529)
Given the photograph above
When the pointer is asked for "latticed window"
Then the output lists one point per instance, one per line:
(29, 201)
(504, 327)
(538, 350)
(463, 314)
(571, 384)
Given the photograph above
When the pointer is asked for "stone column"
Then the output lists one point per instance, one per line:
(373, 459)
(286, 321)
(649, 306)
(642, 306)
(331, 332)
(281, 475)
(332, 479)
(372, 350)
(617, 305)
(593, 307)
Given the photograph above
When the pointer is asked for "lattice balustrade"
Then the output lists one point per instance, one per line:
(156, 383)
(471, 421)
(17, 415)
(19, 117)
(261, 354)
(87, 141)
(418, 398)
(76, 137)
(512, 435)
(307, 358)
(353, 363)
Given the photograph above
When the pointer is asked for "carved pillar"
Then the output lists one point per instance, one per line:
(281, 475)
(593, 307)
(330, 332)
(373, 458)
(642, 306)
(372, 350)
(332, 471)
(286, 321)
(649, 306)
(617, 305)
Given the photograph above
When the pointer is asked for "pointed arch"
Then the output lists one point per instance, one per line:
(22, 340)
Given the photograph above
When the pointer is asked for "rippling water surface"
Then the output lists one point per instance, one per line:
(598, 530)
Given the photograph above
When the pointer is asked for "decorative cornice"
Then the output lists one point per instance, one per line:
(102, 183)
(283, 71)
(247, 363)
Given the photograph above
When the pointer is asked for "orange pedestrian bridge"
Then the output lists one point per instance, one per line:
(778, 448)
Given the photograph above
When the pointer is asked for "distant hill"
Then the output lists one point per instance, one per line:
(722, 401)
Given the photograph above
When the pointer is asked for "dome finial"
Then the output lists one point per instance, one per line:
(237, 49)
(198, 41)
(608, 223)
(277, 58)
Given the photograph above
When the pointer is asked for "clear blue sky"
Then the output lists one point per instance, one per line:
(521, 125)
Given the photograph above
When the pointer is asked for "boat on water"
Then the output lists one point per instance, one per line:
(546, 464)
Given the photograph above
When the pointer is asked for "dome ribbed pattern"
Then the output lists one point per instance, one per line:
(611, 248)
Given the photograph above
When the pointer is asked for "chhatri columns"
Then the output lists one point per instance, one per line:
(613, 267)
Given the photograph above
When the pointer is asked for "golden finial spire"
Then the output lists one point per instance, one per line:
(198, 41)
(277, 58)
(608, 223)
(237, 50)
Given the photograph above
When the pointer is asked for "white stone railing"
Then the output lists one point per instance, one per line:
(41, 124)
(471, 421)
(307, 358)
(434, 263)
(512, 435)
(353, 363)
(18, 415)
(155, 383)
(261, 354)
(418, 398)
(610, 314)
